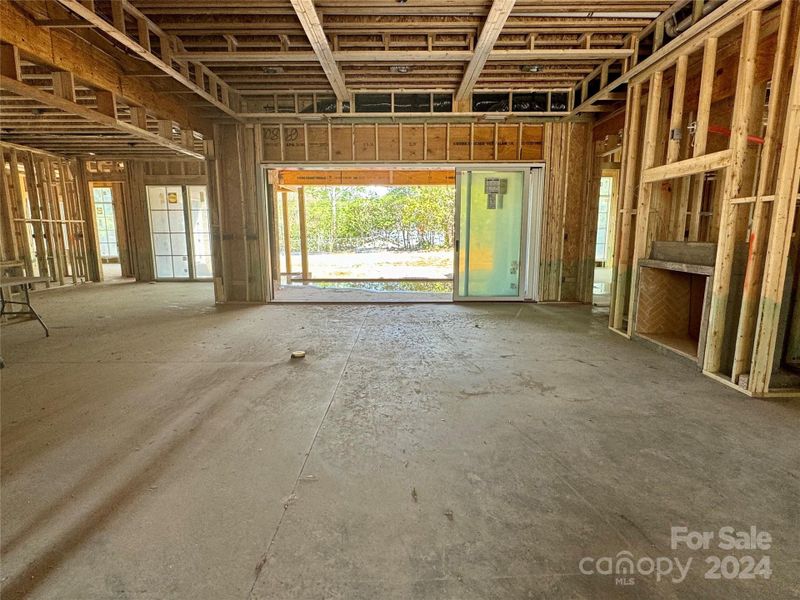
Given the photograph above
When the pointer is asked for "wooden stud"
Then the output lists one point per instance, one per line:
(780, 81)
(780, 239)
(732, 183)
(621, 270)
(701, 133)
(118, 15)
(643, 209)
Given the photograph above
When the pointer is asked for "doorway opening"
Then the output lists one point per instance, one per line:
(604, 244)
(106, 221)
(363, 235)
(401, 235)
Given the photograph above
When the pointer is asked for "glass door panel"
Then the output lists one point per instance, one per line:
(491, 212)
(168, 226)
(106, 224)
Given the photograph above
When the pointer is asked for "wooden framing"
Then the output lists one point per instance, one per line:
(755, 263)
(720, 20)
(489, 34)
(311, 24)
(44, 229)
(103, 116)
(731, 188)
(392, 143)
(777, 255)
(219, 94)
(742, 193)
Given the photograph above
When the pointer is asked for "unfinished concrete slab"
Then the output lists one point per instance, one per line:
(158, 446)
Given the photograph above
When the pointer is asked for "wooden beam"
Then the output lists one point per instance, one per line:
(393, 56)
(640, 244)
(316, 36)
(162, 63)
(28, 91)
(492, 27)
(690, 166)
(63, 50)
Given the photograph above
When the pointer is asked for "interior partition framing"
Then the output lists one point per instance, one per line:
(718, 163)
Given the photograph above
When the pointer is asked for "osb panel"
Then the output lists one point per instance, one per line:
(389, 142)
(578, 168)
(483, 142)
(294, 144)
(532, 142)
(413, 146)
(342, 143)
(356, 143)
(564, 219)
(317, 143)
(365, 142)
(437, 143)
(271, 143)
(459, 142)
(507, 142)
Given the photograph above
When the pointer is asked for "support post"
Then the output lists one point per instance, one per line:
(301, 208)
(623, 243)
(646, 192)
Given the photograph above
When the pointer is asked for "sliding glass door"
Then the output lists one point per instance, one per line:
(491, 214)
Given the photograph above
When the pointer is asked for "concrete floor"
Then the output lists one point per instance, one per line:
(157, 446)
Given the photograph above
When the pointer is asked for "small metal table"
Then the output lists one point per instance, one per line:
(7, 283)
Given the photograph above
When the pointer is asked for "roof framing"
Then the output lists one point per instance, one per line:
(220, 95)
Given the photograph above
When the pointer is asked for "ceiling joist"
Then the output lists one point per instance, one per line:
(105, 116)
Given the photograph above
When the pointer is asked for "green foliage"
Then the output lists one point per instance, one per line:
(346, 218)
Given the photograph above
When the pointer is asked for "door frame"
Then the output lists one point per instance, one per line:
(532, 222)
(188, 230)
(529, 235)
